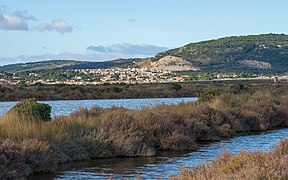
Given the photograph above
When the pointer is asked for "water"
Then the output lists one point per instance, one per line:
(165, 164)
(65, 107)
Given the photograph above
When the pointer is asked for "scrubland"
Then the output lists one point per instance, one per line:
(29, 145)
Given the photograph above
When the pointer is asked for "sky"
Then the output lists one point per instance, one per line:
(100, 30)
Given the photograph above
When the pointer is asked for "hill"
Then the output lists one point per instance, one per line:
(265, 53)
(65, 65)
(33, 66)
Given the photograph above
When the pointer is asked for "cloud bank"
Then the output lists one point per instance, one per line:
(129, 49)
(58, 25)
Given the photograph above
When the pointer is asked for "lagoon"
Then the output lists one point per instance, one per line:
(65, 107)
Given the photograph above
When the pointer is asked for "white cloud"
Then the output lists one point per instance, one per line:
(19, 20)
(58, 25)
(129, 49)
(16, 21)
(24, 15)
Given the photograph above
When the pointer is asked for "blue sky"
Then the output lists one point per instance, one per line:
(98, 30)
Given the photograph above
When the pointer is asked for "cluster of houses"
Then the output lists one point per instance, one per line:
(107, 76)
(133, 75)
(117, 76)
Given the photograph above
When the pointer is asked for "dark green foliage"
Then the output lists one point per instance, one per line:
(206, 96)
(66, 65)
(37, 65)
(114, 89)
(175, 86)
(30, 109)
(224, 54)
(238, 88)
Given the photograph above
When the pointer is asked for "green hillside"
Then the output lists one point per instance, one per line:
(41, 65)
(227, 54)
(65, 65)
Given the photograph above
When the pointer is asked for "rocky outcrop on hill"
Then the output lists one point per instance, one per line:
(256, 64)
(172, 63)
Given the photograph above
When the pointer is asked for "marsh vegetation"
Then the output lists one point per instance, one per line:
(118, 132)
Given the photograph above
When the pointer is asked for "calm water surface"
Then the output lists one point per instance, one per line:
(65, 107)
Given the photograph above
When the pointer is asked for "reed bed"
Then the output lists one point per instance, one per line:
(244, 165)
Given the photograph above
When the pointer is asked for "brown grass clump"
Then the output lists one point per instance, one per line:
(39, 155)
(244, 165)
(12, 161)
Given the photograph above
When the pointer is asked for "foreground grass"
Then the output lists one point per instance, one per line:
(244, 165)
(119, 132)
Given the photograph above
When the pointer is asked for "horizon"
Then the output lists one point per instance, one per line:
(109, 30)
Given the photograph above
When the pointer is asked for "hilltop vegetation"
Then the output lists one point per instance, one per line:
(229, 54)
(65, 65)
(34, 66)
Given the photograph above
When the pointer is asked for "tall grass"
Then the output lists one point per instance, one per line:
(244, 165)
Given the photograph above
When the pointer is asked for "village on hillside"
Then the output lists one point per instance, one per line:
(93, 77)
(118, 76)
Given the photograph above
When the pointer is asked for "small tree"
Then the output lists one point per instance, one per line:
(33, 110)
(175, 86)
(206, 96)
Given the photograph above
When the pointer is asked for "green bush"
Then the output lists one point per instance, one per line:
(206, 96)
(238, 88)
(175, 86)
(33, 110)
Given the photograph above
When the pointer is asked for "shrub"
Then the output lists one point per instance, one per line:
(39, 155)
(175, 86)
(74, 150)
(206, 96)
(30, 109)
(237, 88)
(12, 161)
(114, 89)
